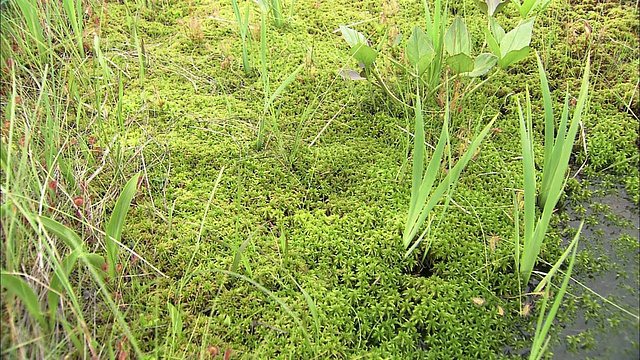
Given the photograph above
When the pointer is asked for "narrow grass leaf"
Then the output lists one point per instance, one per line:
(116, 223)
(312, 307)
(19, 288)
(549, 123)
(540, 341)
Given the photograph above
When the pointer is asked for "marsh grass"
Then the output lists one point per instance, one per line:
(556, 163)
(424, 197)
(269, 98)
(245, 35)
(545, 320)
(53, 167)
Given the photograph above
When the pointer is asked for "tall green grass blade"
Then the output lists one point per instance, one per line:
(451, 178)
(176, 323)
(422, 184)
(528, 255)
(73, 9)
(32, 18)
(116, 223)
(549, 123)
(311, 304)
(516, 220)
(59, 281)
(240, 250)
(554, 177)
(285, 83)
(422, 199)
(243, 28)
(540, 341)
(19, 288)
(556, 172)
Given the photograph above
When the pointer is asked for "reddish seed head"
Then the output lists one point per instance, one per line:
(78, 201)
(213, 351)
(227, 354)
(53, 184)
(10, 63)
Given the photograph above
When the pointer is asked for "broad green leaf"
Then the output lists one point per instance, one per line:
(457, 40)
(353, 37)
(420, 50)
(518, 38)
(513, 57)
(483, 63)
(496, 30)
(18, 287)
(70, 238)
(493, 44)
(460, 63)
(364, 54)
(116, 222)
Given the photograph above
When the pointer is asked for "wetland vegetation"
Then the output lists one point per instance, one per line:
(319, 179)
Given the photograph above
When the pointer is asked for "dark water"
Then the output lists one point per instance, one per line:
(604, 331)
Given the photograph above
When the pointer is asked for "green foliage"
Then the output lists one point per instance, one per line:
(527, 7)
(330, 211)
(545, 320)
(430, 53)
(423, 199)
(510, 47)
(116, 223)
(360, 48)
(420, 50)
(554, 171)
(18, 287)
(245, 38)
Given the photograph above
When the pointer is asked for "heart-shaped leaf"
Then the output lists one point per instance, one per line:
(518, 38)
(365, 54)
(496, 30)
(352, 37)
(483, 63)
(457, 40)
(420, 50)
(513, 57)
(460, 63)
(494, 45)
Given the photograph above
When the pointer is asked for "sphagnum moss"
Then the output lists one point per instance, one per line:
(341, 202)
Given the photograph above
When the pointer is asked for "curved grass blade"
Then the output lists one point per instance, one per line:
(116, 222)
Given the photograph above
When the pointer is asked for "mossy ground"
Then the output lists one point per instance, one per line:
(330, 216)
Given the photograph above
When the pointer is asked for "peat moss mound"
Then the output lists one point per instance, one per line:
(325, 221)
